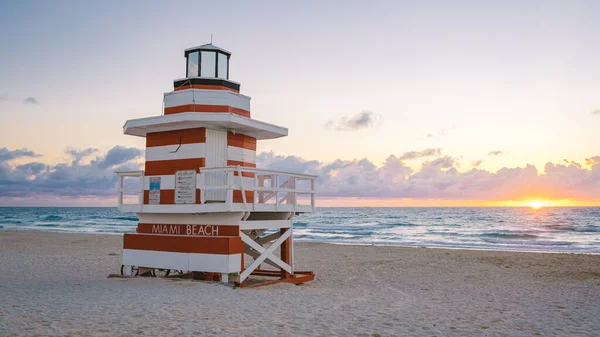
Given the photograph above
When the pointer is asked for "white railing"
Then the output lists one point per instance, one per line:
(122, 191)
(272, 190)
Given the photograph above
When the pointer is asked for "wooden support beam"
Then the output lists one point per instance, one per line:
(285, 254)
(297, 278)
(270, 273)
(255, 255)
(268, 238)
(260, 249)
(266, 253)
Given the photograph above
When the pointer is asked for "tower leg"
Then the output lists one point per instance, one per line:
(285, 254)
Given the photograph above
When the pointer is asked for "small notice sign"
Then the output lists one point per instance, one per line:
(154, 193)
(185, 187)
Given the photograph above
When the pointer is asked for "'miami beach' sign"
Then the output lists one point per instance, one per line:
(199, 230)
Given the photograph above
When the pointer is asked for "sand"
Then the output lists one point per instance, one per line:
(56, 284)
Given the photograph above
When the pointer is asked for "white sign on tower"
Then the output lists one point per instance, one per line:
(185, 187)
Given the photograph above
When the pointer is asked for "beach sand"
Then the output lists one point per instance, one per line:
(56, 284)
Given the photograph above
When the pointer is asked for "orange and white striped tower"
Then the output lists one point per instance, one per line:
(202, 204)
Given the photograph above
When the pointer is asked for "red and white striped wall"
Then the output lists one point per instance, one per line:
(195, 100)
(197, 251)
(171, 151)
(207, 243)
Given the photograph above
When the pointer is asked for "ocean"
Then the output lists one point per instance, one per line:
(550, 229)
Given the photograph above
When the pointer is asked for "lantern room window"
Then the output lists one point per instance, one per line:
(223, 66)
(192, 68)
(207, 61)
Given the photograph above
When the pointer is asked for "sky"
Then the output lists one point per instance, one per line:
(400, 103)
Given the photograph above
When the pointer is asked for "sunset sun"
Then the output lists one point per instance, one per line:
(536, 204)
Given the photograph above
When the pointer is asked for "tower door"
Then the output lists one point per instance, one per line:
(216, 156)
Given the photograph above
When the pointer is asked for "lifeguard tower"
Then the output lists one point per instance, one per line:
(203, 206)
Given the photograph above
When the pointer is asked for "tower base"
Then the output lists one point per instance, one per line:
(297, 278)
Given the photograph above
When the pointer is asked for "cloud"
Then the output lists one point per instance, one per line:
(476, 163)
(6, 154)
(117, 155)
(596, 112)
(574, 163)
(592, 161)
(3, 97)
(71, 180)
(78, 155)
(440, 179)
(363, 120)
(30, 100)
(31, 168)
(495, 153)
(420, 154)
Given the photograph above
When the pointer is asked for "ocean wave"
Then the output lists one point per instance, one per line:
(52, 218)
(561, 228)
(567, 228)
(109, 231)
(589, 229)
(509, 236)
(127, 218)
(443, 233)
(324, 235)
(527, 243)
(365, 224)
(11, 222)
(402, 224)
(110, 224)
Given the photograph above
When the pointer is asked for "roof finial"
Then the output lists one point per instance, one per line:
(210, 38)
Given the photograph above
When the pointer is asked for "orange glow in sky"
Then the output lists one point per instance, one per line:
(533, 203)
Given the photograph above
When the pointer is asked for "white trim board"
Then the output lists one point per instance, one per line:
(241, 154)
(221, 219)
(216, 263)
(175, 151)
(211, 120)
(206, 97)
(262, 224)
(155, 259)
